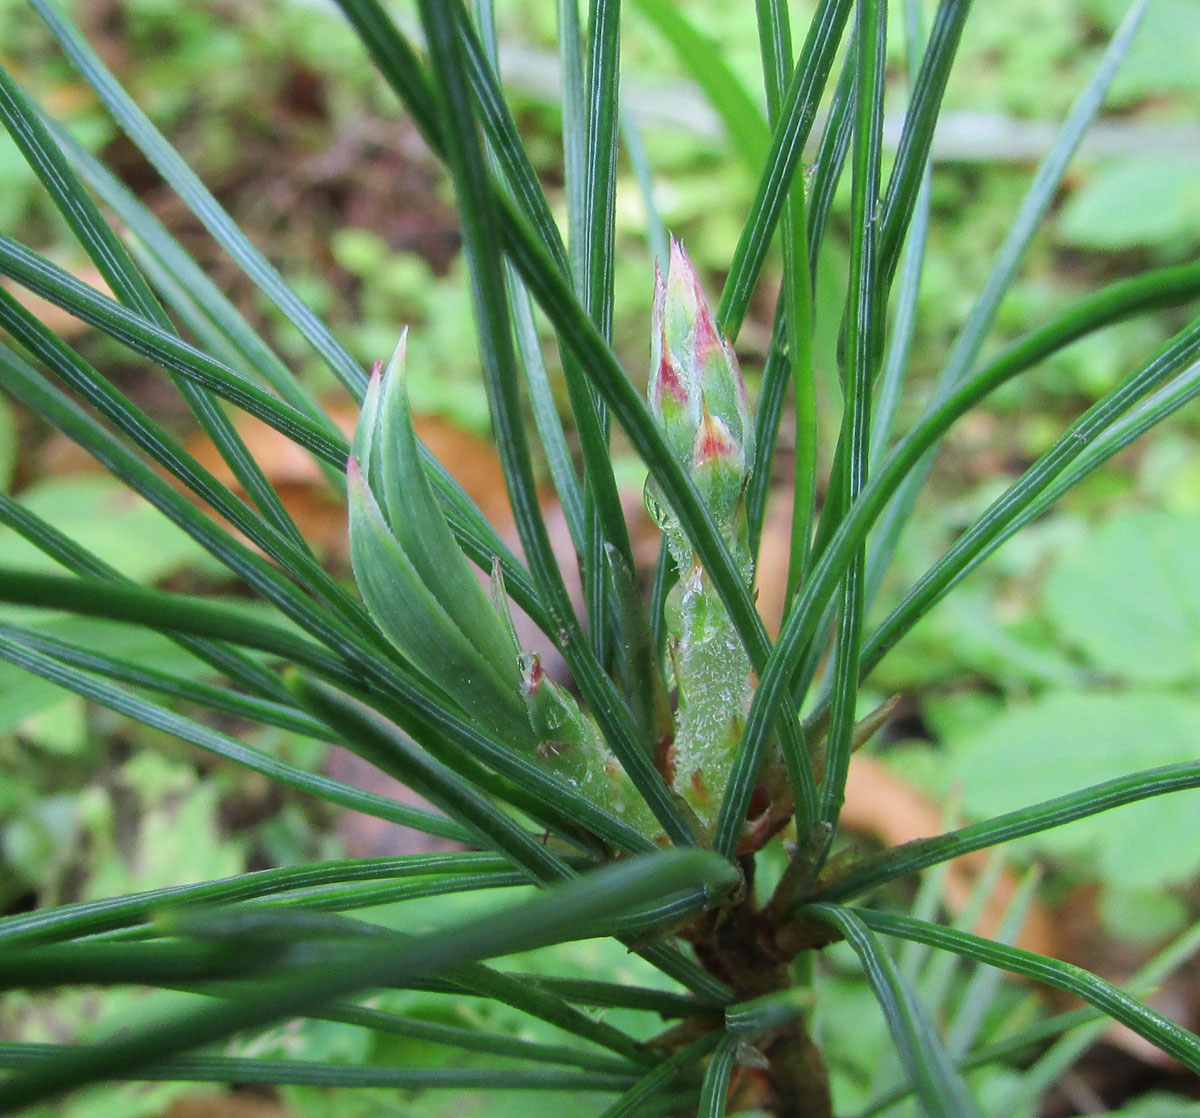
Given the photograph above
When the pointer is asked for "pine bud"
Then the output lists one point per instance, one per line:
(695, 378)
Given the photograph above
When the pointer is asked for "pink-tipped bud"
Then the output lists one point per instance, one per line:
(697, 394)
(718, 468)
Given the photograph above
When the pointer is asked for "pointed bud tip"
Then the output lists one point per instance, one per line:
(683, 272)
(395, 365)
(679, 257)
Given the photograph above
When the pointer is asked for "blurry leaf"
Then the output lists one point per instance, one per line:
(1136, 202)
(20, 184)
(1143, 916)
(179, 835)
(42, 841)
(60, 728)
(1128, 597)
(705, 62)
(892, 804)
(1159, 1104)
(23, 694)
(602, 959)
(106, 517)
(1166, 53)
(8, 445)
(1069, 740)
(51, 315)
(124, 1100)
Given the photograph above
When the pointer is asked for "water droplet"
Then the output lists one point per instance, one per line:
(657, 510)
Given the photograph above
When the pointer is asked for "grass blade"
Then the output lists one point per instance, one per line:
(77, 559)
(136, 125)
(863, 311)
(916, 138)
(94, 917)
(715, 1090)
(380, 961)
(917, 855)
(702, 59)
(235, 1069)
(158, 717)
(939, 1087)
(1161, 1032)
(937, 1082)
(1041, 194)
(378, 741)
(787, 144)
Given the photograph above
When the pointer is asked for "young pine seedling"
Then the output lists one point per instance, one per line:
(680, 794)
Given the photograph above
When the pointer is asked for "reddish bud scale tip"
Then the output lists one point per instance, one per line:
(377, 371)
(669, 382)
(532, 673)
(680, 266)
(707, 339)
(713, 442)
(696, 393)
(353, 473)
